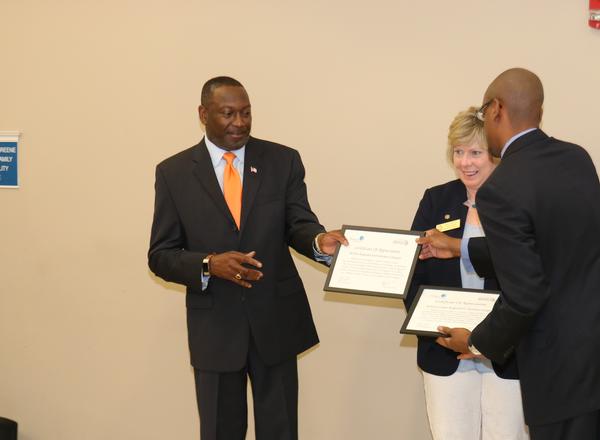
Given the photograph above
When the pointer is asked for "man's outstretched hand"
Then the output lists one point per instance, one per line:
(436, 244)
(328, 241)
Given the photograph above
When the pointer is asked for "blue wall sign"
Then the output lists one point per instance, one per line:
(9, 174)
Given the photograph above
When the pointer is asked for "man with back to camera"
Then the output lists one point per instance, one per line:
(226, 211)
(540, 210)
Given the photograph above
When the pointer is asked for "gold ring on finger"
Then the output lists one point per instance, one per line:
(238, 276)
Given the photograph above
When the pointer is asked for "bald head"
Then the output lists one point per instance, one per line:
(522, 93)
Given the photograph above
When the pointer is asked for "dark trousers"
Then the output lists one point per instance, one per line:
(222, 401)
(583, 427)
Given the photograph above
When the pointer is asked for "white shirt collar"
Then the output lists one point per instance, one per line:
(216, 153)
(514, 138)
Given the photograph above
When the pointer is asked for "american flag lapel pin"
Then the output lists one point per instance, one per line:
(253, 170)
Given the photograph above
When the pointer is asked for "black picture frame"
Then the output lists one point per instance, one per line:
(415, 304)
(329, 288)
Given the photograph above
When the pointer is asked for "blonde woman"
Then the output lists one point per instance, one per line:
(472, 399)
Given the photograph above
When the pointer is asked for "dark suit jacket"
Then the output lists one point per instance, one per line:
(191, 220)
(441, 204)
(541, 211)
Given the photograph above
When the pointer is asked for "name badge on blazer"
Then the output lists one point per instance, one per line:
(448, 226)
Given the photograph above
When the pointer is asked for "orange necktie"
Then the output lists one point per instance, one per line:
(232, 188)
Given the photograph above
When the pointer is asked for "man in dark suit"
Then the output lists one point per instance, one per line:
(226, 211)
(540, 210)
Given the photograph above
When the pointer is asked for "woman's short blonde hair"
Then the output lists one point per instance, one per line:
(464, 130)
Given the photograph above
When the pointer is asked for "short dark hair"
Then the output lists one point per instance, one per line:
(214, 83)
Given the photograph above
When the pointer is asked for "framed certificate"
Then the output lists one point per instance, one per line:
(451, 307)
(376, 262)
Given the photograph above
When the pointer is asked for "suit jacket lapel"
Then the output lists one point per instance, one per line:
(459, 209)
(205, 173)
(252, 177)
(456, 209)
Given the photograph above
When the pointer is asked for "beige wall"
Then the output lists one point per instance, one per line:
(92, 346)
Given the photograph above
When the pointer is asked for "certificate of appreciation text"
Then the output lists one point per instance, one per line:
(376, 262)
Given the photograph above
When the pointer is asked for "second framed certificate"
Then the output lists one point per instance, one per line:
(376, 262)
(449, 307)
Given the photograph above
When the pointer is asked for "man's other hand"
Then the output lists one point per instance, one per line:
(229, 266)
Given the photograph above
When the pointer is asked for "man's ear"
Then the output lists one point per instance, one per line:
(496, 108)
(203, 114)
